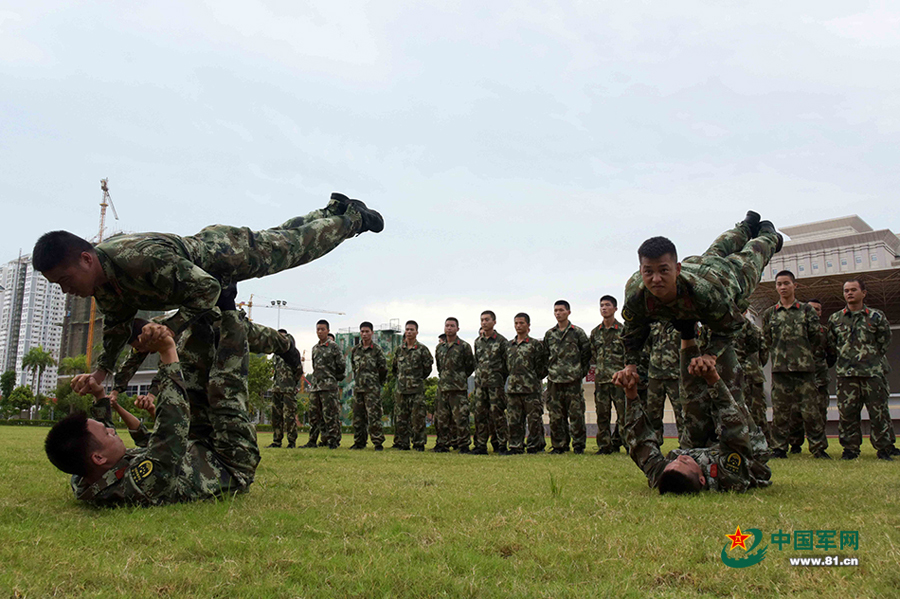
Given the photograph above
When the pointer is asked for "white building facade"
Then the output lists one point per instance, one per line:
(31, 315)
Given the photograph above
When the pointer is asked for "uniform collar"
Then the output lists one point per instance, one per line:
(780, 306)
(615, 325)
(526, 340)
(865, 309)
(109, 270)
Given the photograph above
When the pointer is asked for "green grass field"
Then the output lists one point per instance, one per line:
(320, 523)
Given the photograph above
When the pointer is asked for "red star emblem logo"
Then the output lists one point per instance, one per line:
(738, 539)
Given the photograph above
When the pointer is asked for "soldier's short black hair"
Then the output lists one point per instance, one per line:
(443, 336)
(453, 318)
(331, 336)
(283, 331)
(491, 314)
(414, 323)
(814, 300)
(325, 322)
(58, 248)
(860, 282)
(366, 325)
(523, 315)
(657, 247)
(678, 483)
(562, 303)
(69, 444)
(786, 273)
(610, 299)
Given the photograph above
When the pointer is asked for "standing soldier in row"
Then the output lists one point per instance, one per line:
(455, 363)
(608, 355)
(284, 399)
(753, 353)
(325, 394)
(569, 360)
(527, 365)
(793, 332)
(369, 373)
(490, 378)
(664, 374)
(858, 338)
(412, 365)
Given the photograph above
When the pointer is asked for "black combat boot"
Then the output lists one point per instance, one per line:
(849, 455)
(779, 454)
(821, 455)
(796, 448)
(752, 221)
(884, 454)
(371, 220)
(766, 226)
(278, 445)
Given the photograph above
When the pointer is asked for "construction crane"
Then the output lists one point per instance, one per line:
(281, 305)
(104, 187)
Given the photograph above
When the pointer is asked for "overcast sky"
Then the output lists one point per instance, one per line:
(519, 152)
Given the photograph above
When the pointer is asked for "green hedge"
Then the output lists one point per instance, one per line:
(22, 422)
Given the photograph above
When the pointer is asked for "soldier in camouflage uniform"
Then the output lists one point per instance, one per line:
(793, 332)
(713, 289)
(314, 415)
(753, 353)
(664, 371)
(170, 468)
(608, 356)
(325, 393)
(369, 374)
(821, 364)
(569, 361)
(411, 366)
(490, 378)
(455, 363)
(158, 271)
(284, 400)
(858, 339)
(736, 462)
(526, 361)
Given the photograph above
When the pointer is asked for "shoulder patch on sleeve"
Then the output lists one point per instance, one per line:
(141, 471)
(733, 462)
(627, 314)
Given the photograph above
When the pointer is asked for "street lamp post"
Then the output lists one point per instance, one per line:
(278, 304)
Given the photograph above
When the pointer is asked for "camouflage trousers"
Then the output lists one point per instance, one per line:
(327, 406)
(698, 420)
(196, 352)
(565, 403)
(284, 416)
(233, 254)
(367, 414)
(490, 417)
(791, 389)
(853, 393)
(451, 419)
(824, 400)
(756, 403)
(409, 424)
(233, 437)
(657, 391)
(607, 396)
(526, 408)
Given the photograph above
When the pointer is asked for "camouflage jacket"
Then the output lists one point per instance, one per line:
(792, 335)
(329, 366)
(287, 379)
(455, 363)
(752, 352)
(607, 352)
(526, 362)
(727, 466)
(149, 271)
(570, 354)
(170, 469)
(490, 360)
(412, 365)
(369, 368)
(665, 351)
(860, 341)
(701, 296)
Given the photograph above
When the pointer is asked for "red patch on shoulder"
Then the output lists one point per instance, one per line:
(120, 473)
(714, 471)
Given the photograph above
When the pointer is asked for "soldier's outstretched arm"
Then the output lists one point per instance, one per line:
(128, 369)
(116, 332)
(640, 438)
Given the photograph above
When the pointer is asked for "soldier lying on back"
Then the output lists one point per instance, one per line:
(713, 289)
(159, 271)
(735, 463)
(170, 468)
